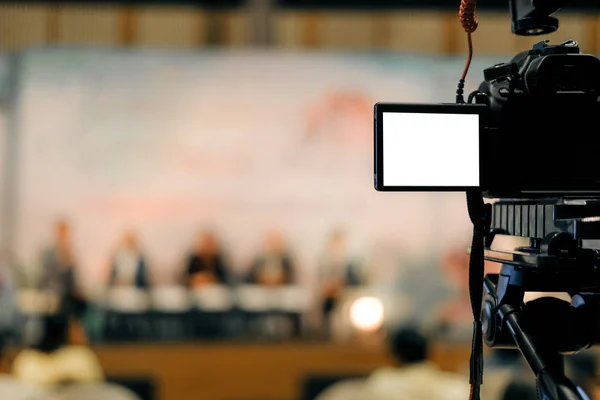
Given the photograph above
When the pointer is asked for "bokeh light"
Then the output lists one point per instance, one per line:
(367, 314)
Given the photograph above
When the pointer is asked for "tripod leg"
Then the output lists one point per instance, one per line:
(548, 367)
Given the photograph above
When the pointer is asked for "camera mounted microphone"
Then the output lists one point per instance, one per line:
(534, 17)
(468, 21)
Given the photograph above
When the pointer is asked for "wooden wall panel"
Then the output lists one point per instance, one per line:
(299, 29)
(361, 31)
(88, 25)
(175, 27)
(593, 34)
(346, 30)
(311, 30)
(236, 29)
(429, 32)
(22, 26)
(381, 30)
(287, 29)
(417, 31)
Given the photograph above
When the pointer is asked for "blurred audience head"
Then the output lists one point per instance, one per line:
(206, 243)
(409, 346)
(62, 230)
(129, 241)
(337, 240)
(274, 242)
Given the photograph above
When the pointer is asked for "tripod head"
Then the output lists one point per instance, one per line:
(534, 17)
(542, 249)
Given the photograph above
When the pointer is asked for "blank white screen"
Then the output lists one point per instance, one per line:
(430, 149)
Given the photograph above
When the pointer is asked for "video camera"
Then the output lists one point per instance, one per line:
(524, 139)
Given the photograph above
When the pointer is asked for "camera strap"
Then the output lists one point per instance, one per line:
(479, 214)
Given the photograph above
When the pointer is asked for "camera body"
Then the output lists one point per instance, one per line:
(530, 134)
(536, 135)
(539, 137)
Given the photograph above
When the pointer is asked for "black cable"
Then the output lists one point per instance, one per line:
(479, 214)
(460, 99)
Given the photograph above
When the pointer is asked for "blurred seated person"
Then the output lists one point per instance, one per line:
(206, 265)
(274, 267)
(58, 273)
(128, 265)
(58, 358)
(337, 272)
(414, 377)
(8, 309)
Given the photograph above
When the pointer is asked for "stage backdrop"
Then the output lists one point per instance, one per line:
(243, 142)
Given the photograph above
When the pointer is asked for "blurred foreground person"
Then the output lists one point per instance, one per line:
(274, 267)
(56, 360)
(206, 265)
(12, 388)
(415, 378)
(337, 272)
(59, 369)
(128, 267)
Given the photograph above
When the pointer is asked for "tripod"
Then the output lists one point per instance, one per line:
(546, 328)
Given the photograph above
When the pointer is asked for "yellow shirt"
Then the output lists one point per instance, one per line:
(73, 363)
